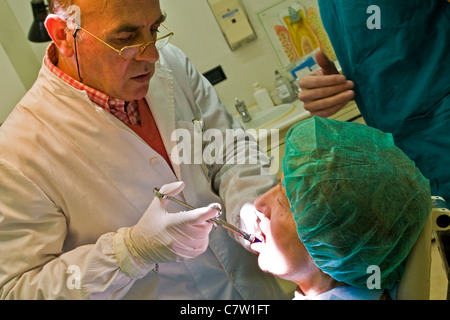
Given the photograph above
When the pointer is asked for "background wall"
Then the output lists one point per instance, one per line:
(20, 59)
(199, 36)
(196, 33)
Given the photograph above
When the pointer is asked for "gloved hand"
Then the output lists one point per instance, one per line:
(160, 236)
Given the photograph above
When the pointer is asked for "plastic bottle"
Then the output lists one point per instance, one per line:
(242, 109)
(284, 88)
(262, 97)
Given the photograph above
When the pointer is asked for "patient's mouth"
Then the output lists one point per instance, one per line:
(261, 237)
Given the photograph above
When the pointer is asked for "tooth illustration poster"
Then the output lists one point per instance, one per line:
(294, 29)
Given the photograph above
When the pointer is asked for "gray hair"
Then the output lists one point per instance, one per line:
(56, 6)
(68, 11)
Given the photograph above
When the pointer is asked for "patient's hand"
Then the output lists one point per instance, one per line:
(325, 92)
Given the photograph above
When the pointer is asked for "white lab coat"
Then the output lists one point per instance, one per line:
(71, 175)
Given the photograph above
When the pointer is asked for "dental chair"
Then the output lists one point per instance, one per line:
(415, 282)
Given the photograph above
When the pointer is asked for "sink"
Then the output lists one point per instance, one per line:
(272, 118)
(263, 119)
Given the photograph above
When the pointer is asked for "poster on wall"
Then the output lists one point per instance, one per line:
(295, 31)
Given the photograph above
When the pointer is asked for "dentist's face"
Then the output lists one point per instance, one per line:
(119, 23)
(281, 253)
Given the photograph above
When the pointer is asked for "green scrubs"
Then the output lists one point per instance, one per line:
(401, 72)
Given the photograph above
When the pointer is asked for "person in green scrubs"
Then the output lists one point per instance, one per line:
(395, 58)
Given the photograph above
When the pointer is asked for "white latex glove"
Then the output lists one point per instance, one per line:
(250, 224)
(160, 236)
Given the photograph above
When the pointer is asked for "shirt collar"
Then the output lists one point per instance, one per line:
(127, 112)
(344, 292)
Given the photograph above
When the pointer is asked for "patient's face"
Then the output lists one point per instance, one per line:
(281, 253)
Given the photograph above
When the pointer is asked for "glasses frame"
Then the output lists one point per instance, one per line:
(141, 46)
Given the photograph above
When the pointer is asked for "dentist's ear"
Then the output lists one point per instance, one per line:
(61, 36)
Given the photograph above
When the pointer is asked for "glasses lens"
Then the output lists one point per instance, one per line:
(130, 52)
(163, 41)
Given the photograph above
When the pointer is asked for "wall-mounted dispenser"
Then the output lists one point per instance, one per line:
(233, 21)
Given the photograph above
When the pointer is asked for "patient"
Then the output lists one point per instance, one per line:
(349, 200)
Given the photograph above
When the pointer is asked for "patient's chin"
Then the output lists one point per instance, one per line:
(272, 261)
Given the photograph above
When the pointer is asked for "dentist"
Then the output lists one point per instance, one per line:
(82, 151)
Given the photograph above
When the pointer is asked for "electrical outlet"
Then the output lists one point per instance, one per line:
(215, 75)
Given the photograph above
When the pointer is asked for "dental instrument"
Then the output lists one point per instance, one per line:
(247, 236)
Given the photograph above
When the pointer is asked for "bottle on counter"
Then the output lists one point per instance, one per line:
(242, 109)
(284, 88)
(262, 97)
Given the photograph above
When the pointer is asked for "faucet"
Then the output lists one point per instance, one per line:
(242, 109)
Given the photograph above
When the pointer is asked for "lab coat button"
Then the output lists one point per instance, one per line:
(155, 161)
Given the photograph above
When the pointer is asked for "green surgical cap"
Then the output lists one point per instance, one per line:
(357, 200)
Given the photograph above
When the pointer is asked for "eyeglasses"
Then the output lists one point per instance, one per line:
(130, 52)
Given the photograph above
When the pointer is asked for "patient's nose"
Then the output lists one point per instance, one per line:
(262, 205)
